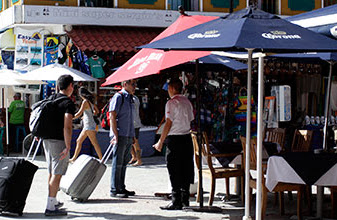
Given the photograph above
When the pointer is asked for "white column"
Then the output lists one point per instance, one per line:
(201, 5)
(279, 7)
(322, 3)
(166, 4)
(116, 4)
(247, 159)
(259, 141)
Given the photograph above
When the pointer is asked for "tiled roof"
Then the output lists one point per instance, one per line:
(106, 38)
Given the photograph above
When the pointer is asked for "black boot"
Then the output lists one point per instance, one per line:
(176, 202)
(185, 196)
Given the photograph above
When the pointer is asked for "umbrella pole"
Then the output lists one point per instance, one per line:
(7, 123)
(327, 106)
(201, 191)
(247, 156)
(201, 207)
(259, 141)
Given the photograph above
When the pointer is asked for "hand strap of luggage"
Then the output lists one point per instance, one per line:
(107, 153)
(36, 149)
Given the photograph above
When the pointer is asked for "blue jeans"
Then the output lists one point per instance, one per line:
(120, 157)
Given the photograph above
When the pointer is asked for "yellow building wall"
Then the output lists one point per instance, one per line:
(209, 7)
(44, 2)
(288, 11)
(152, 4)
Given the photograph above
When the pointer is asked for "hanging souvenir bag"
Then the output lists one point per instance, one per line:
(240, 112)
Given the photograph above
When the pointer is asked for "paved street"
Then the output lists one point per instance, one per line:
(146, 180)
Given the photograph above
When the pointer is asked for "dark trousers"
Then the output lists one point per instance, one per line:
(179, 158)
(12, 136)
(120, 157)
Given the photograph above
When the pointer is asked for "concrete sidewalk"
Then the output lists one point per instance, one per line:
(146, 180)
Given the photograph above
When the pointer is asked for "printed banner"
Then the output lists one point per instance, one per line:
(28, 49)
(51, 50)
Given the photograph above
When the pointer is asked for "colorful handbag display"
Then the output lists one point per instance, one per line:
(241, 101)
(240, 112)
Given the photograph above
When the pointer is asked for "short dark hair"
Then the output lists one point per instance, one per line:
(64, 81)
(17, 95)
(86, 94)
(176, 84)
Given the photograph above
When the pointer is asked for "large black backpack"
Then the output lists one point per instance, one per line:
(42, 115)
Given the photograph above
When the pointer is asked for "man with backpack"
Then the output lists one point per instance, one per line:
(57, 142)
(122, 134)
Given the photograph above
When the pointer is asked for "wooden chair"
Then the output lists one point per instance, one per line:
(276, 135)
(302, 141)
(215, 172)
(280, 187)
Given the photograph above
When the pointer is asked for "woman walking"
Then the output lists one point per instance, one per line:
(88, 110)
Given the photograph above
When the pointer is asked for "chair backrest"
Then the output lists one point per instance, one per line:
(205, 149)
(196, 148)
(276, 135)
(302, 141)
(253, 145)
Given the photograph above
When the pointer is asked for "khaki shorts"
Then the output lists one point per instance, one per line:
(53, 149)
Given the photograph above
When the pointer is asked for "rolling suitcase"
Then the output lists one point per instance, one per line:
(83, 175)
(16, 177)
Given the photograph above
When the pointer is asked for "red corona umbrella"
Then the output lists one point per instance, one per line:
(151, 61)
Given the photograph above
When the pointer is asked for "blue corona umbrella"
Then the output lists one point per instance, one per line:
(323, 20)
(307, 56)
(249, 29)
(223, 60)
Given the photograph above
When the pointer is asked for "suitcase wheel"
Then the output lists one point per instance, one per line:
(82, 200)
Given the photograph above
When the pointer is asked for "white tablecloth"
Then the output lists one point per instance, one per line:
(278, 170)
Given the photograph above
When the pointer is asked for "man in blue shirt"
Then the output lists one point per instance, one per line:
(122, 133)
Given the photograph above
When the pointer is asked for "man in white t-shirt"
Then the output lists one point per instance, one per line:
(179, 152)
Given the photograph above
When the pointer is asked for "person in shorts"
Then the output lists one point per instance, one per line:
(57, 145)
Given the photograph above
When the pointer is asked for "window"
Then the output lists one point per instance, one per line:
(329, 2)
(269, 6)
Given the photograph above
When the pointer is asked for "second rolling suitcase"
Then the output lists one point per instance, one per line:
(16, 177)
(83, 176)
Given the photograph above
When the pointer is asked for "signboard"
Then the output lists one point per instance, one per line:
(45, 2)
(98, 16)
(28, 49)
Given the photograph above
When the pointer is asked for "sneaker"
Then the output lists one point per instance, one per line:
(56, 212)
(129, 193)
(118, 195)
(59, 205)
